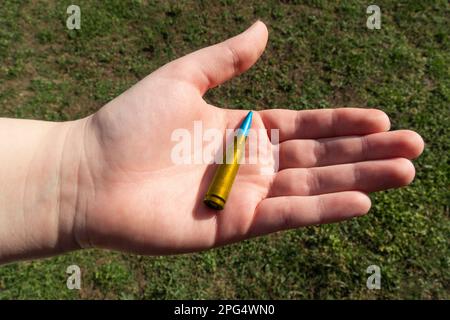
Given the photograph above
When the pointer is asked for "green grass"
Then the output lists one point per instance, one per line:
(320, 54)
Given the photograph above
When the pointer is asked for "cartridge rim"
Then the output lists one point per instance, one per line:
(214, 202)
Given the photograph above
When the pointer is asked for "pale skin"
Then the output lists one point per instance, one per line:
(108, 180)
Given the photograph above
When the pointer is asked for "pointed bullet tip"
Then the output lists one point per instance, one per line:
(247, 123)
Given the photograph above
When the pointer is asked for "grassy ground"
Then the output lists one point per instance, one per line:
(320, 54)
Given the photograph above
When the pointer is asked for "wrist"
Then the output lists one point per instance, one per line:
(40, 204)
(76, 190)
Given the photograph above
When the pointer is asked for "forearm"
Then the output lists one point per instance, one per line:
(39, 175)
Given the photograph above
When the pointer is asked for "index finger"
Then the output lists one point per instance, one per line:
(325, 123)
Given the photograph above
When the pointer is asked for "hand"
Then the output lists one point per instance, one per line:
(134, 198)
(109, 181)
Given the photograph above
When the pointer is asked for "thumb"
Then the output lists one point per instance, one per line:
(211, 66)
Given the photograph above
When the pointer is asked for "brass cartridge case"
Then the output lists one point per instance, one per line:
(220, 187)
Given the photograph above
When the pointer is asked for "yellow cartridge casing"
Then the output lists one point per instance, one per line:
(220, 187)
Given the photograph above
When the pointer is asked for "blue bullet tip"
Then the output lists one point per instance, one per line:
(246, 124)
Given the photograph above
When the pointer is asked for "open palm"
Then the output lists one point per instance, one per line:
(142, 201)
